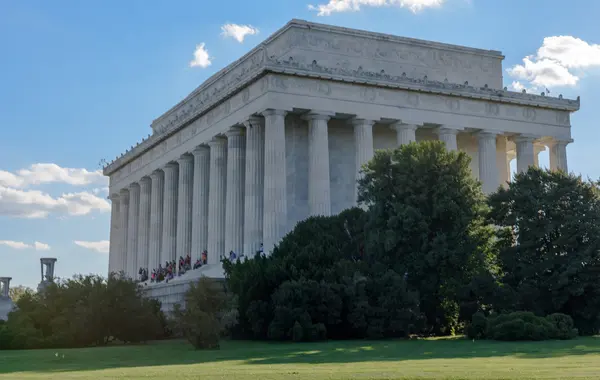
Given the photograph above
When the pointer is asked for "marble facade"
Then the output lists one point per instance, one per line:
(281, 134)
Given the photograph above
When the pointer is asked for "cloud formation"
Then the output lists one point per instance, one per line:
(334, 6)
(560, 61)
(36, 204)
(101, 246)
(201, 57)
(238, 32)
(20, 245)
(43, 173)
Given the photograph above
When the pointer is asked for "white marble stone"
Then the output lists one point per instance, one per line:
(363, 144)
(275, 217)
(448, 136)
(121, 260)
(525, 153)
(558, 155)
(200, 200)
(115, 219)
(502, 161)
(132, 228)
(185, 206)
(169, 233)
(156, 219)
(217, 195)
(234, 202)
(319, 184)
(254, 189)
(488, 169)
(405, 133)
(144, 223)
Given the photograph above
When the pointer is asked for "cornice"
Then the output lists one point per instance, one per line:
(256, 63)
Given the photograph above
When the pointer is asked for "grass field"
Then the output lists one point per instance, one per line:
(415, 359)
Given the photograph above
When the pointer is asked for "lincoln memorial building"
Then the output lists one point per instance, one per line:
(281, 134)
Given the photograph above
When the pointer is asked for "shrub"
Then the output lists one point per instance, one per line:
(522, 326)
(84, 311)
(202, 322)
(564, 326)
(478, 326)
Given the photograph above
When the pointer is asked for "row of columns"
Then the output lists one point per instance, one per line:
(231, 193)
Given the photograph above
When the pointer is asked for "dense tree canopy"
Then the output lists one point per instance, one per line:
(426, 218)
(83, 311)
(549, 246)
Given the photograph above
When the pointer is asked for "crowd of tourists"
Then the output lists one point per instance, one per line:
(170, 269)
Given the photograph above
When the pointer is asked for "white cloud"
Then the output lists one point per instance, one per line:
(201, 57)
(560, 61)
(100, 190)
(355, 5)
(238, 32)
(43, 173)
(41, 246)
(36, 204)
(20, 245)
(101, 246)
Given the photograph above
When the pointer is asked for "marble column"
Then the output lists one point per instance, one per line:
(156, 219)
(525, 154)
(216, 204)
(185, 206)
(254, 191)
(121, 262)
(275, 183)
(132, 228)
(144, 223)
(502, 162)
(200, 200)
(319, 185)
(363, 145)
(236, 172)
(115, 219)
(558, 155)
(169, 233)
(405, 133)
(448, 136)
(488, 169)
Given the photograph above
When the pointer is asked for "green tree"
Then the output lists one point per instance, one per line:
(549, 241)
(15, 292)
(84, 311)
(202, 321)
(426, 220)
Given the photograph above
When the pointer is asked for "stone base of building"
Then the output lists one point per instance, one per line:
(173, 292)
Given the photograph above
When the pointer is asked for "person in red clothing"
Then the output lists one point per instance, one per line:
(204, 257)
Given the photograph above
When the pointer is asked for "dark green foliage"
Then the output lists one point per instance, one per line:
(318, 284)
(521, 325)
(478, 326)
(202, 320)
(565, 328)
(426, 218)
(549, 244)
(84, 311)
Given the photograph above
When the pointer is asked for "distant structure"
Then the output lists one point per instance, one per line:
(48, 273)
(6, 304)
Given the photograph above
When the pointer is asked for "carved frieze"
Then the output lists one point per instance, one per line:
(340, 53)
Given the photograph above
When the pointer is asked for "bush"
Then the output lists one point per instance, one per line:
(564, 326)
(203, 321)
(478, 326)
(521, 326)
(84, 311)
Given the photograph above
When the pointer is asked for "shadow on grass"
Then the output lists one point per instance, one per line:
(168, 353)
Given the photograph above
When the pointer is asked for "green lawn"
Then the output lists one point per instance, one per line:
(416, 359)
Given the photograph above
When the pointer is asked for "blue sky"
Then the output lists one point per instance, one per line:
(81, 81)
